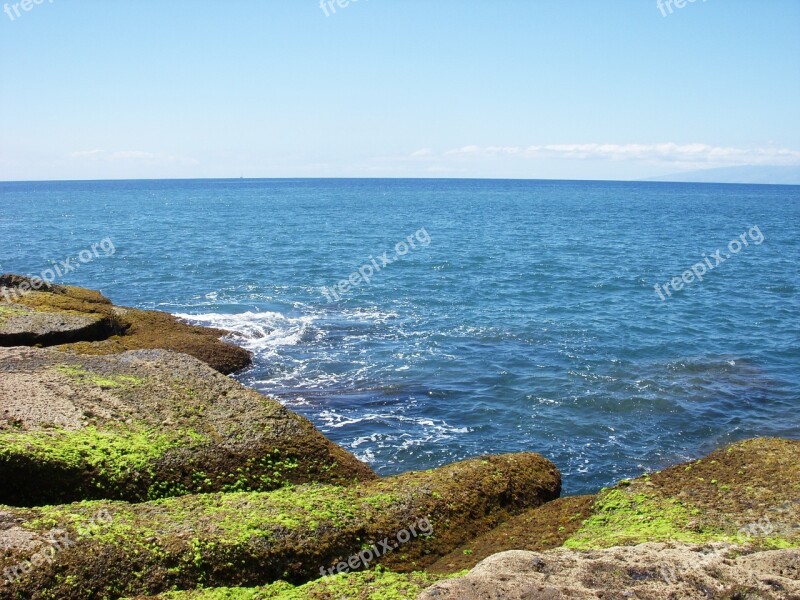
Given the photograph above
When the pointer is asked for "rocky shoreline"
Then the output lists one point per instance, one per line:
(132, 467)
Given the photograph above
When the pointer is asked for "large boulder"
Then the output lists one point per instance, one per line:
(84, 321)
(749, 491)
(147, 424)
(248, 539)
(540, 528)
(646, 572)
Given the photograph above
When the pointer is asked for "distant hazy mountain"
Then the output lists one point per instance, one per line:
(746, 174)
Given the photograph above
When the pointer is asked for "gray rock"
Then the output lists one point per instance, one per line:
(652, 571)
(24, 326)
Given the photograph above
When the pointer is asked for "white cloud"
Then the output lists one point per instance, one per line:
(507, 150)
(685, 155)
(468, 150)
(135, 155)
(86, 153)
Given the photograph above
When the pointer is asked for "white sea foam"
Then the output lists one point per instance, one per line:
(408, 432)
(374, 436)
(258, 331)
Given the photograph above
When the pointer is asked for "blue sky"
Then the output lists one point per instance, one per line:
(584, 89)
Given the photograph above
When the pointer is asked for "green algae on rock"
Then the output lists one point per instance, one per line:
(84, 321)
(367, 585)
(746, 493)
(291, 534)
(144, 425)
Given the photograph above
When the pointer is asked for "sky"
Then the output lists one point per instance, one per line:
(554, 89)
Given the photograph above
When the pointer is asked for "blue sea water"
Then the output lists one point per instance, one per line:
(526, 321)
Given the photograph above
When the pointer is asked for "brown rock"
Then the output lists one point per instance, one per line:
(147, 424)
(250, 539)
(85, 322)
(540, 528)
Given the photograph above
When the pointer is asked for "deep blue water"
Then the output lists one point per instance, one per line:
(528, 321)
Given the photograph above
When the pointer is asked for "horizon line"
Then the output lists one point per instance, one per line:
(164, 179)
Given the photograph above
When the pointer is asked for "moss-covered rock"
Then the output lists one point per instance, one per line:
(367, 585)
(746, 493)
(537, 529)
(145, 425)
(251, 539)
(726, 526)
(84, 321)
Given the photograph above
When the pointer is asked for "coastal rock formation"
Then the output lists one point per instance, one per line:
(85, 322)
(23, 326)
(540, 528)
(746, 493)
(147, 424)
(646, 572)
(249, 539)
(365, 585)
(749, 491)
(189, 481)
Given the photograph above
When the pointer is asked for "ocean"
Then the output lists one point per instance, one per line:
(615, 328)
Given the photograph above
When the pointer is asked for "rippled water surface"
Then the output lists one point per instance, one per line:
(528, 319)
